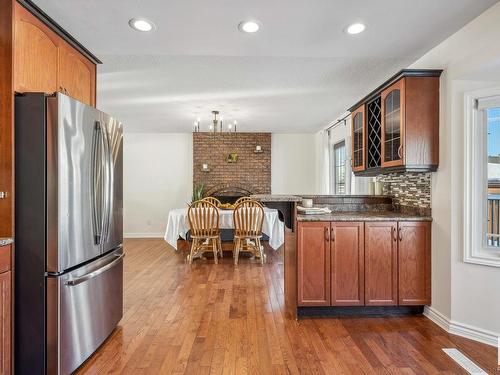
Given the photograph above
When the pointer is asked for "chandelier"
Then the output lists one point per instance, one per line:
(217, 125)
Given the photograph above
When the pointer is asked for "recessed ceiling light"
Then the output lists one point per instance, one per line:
(141, 24)
(249, 26)
(356, 28)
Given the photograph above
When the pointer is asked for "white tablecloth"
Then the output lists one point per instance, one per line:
(178, 226)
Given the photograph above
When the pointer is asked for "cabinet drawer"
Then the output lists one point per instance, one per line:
(5, 258)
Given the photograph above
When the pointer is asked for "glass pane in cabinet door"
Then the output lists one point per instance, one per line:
(358, 139)
(392, 129)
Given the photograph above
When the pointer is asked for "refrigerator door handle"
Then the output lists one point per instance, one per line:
(97, 272)
(96, 184)
(108, 184)
(111, 170)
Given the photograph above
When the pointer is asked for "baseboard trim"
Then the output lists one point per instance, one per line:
(461, 329)
(143, 235)
(438, 318)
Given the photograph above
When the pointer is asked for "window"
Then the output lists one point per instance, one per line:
(482, 178)
(339, 168)
(493, 205)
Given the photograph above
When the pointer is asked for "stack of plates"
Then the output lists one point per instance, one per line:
(313, 210)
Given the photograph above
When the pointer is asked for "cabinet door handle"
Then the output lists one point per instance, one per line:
(400, 235)
(332, 236)
(393, 235)
(400, 151)
(327, 235)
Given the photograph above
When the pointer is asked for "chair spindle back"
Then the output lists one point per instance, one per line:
(248, 218)
(203, 219)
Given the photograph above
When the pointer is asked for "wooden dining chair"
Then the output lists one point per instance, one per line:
(248, 218)
(203, 219)
(242, 199)
(212, 200)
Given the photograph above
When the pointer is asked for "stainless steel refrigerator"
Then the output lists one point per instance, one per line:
(68, 232)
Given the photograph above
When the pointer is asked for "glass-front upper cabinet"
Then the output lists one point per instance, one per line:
(358, 139)
(393, 115)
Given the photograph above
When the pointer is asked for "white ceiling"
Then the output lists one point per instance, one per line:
(297, 74)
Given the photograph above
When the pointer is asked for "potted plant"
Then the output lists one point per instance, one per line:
(197, 192)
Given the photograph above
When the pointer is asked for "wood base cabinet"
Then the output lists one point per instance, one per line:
(381, 264)
(384, 263)
(414, 263)
(5, 309)
(347, 264)
(5, 322)
(330, 264)
(313, 263)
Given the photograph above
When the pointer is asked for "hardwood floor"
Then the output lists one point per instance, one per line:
(218, 319)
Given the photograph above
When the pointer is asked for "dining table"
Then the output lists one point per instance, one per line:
(178, 226)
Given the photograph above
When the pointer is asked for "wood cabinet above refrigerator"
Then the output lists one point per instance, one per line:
(45, 62)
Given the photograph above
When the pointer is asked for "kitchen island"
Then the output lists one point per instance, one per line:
(362, 258)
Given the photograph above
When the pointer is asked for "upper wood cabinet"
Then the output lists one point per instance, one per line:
(359, 139)
(35, 54)
(414, 263)
(402, 132)
(410, 123)
(44, 62)
(393, 116)
(313, 263)
(347, 263)
(76, 76)
(381, 264)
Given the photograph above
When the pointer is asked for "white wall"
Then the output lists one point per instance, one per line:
(467, 295)
(158, 175)
(293, 168)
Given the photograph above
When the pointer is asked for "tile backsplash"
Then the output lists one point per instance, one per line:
(409, 190)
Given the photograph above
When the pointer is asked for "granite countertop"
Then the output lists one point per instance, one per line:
(276, 198)
(364, 216)
(6, 241)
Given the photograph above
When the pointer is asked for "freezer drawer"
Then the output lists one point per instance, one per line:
(83, 308)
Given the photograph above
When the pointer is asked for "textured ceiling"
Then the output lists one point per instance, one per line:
(297, 74)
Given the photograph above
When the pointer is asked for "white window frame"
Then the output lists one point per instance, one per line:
(331, 164)
(476, 249)
(335, 182)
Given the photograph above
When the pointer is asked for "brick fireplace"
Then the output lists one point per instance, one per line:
(249, 174)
